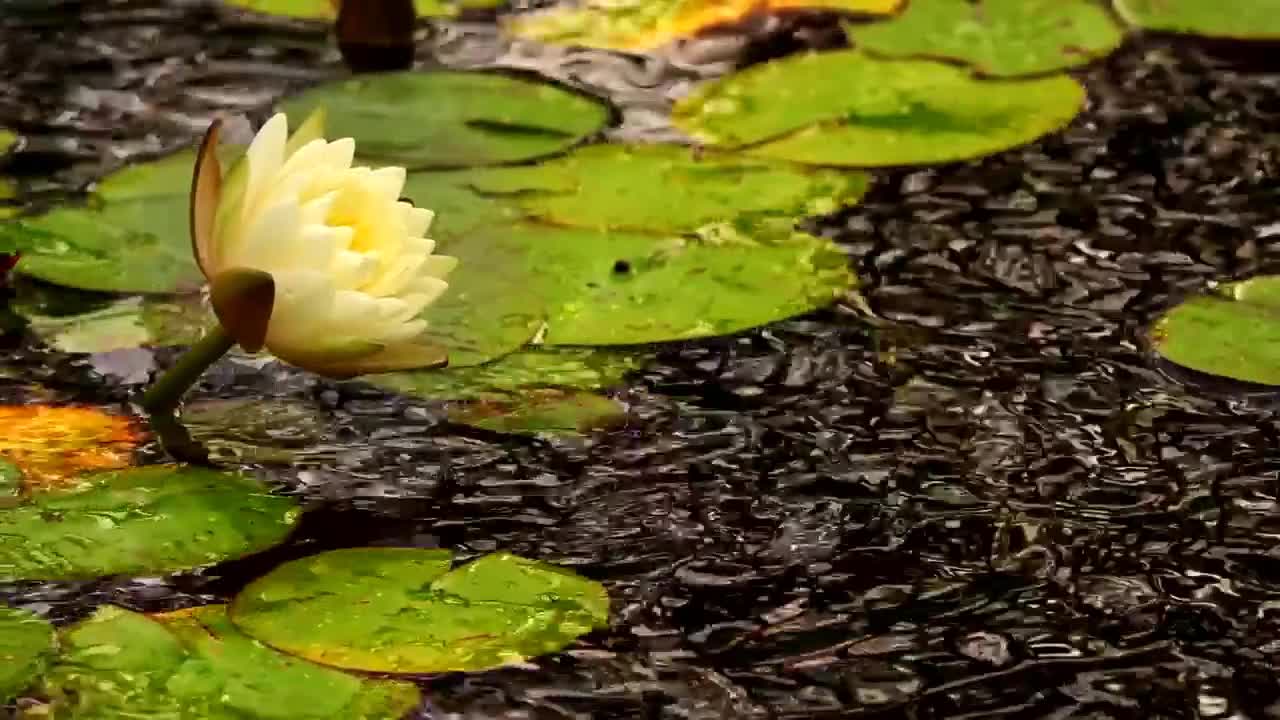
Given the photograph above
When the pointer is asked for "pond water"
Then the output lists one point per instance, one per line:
(972, 491)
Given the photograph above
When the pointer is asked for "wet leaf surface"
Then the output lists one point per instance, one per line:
(1233, 332)
(194, 664)
(900, 112)
(451, 119)
(403, 610)
(1000, 38)
(149, 520)
(26, 642)
(640, 25)
(669, 189)
(132, 322)
(1253, 20)
(52, 446)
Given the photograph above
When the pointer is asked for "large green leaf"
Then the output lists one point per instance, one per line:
(136, 245)
(144, 520)
(26, 641)
(1246, 20)
(451, 119)
(623, 288)
(1233, 332)
(324, 9)
(402, 610)
(844, 108)
(195, 665)
(669, 189)
(1000, 38)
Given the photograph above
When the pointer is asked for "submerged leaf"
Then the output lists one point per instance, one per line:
(844, 108)
(541, 411)
(131, 322)
(146, 520)
(195, 665)
(402, 610)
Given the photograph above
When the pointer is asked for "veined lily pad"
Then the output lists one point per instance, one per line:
(844, 108)
(52, 446)
(146, 520)
(402, 610)
(325, 9)
(1000, 38)
(451, 119)
(26, 641)
(669, 189)
(1233, 332)
(195, 665)
(535, 390)
(640, 25)
(1252, 20)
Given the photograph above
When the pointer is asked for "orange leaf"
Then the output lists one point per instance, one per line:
(53, 445)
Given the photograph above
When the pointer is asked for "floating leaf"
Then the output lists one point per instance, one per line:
(324, 9)
(52, 446)
(195, 665)
(640, 25)
(1233, 332)
(1000, 38)
(669, 189)
(10, 482)
(131, 322)
(1252, 20)
(128, 246)
(253, 430)
(844, 108)
(401, 610)
(7, 191)
(542, 391)
(452, 119)
(26, 641)
(145, 520)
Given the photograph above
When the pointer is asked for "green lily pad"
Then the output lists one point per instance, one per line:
(844, 108)
(140, 321)
(1000, 38)
(1233, 332)
(543, 391)
(324, 9)
(452, 119)
(402, 610)
(1253, 20)
(669, 189)
(458, 206)
(26, 641)
(10, 482)
(130, 246)
(621, 288)
(144, 520)
(195, 665)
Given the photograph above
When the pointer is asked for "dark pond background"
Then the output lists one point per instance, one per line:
(972, 493)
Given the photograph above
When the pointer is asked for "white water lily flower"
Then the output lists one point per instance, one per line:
(319, 261)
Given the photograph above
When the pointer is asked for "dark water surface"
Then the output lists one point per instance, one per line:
(975, 494)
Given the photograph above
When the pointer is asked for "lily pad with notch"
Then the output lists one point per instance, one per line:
(195, 665)
(1233, 332)
(847, 109)
(155, 519)
(403, 610)
(448, 119)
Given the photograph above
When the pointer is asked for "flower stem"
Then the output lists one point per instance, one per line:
(162, 398)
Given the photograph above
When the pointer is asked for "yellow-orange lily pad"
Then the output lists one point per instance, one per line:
(51, 446)
(640, 25)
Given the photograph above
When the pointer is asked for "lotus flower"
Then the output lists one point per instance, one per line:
(318, 261)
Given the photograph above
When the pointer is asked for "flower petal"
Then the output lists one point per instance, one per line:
(206, 191)
(265, 156)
